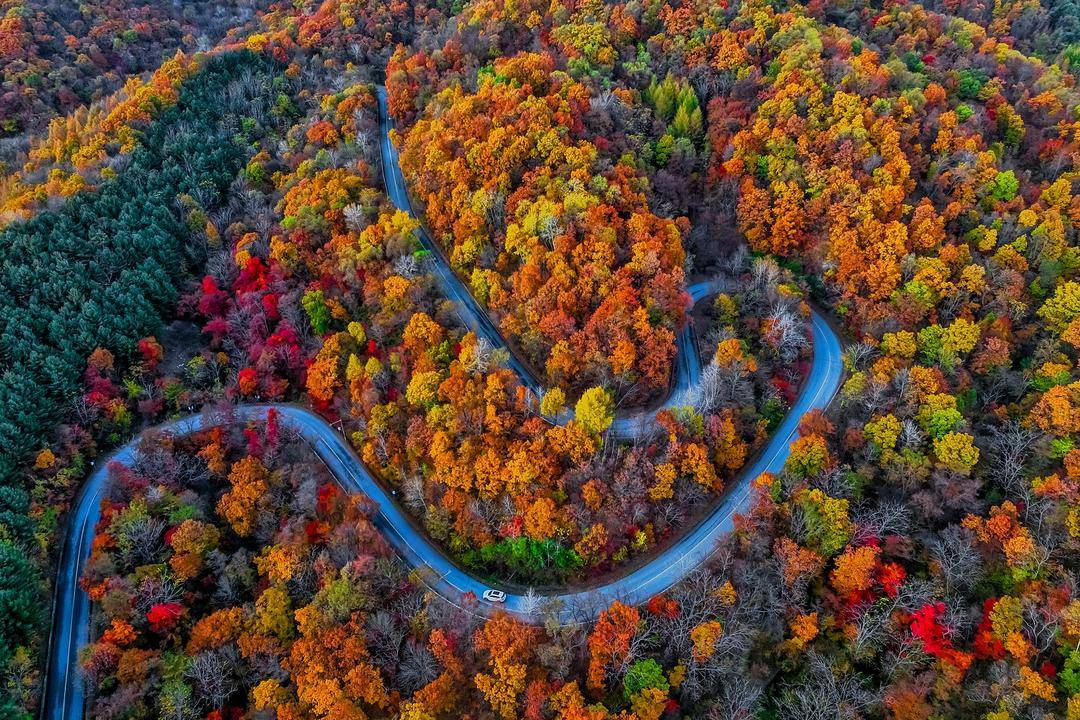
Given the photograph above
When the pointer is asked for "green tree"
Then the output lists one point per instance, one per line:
(1063, 307)
(1004, 186)
(644, 674)
(314, 303)
(662, 96)
(687, 122)
(20, 601)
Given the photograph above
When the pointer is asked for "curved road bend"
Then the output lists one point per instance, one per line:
(63, 698)
(627, 425)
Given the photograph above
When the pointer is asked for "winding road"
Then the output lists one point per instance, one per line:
(627, 424)
(63, 698)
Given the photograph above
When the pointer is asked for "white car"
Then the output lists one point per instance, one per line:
(494, 596)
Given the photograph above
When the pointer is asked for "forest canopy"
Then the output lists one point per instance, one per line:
(101, 270)
(606, 179)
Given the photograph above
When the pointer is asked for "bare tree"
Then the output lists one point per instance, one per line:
(211, 674)
(764, 274)
(735, 263)
(495, 211)
(548, 230)
(873, 397)
(1039, 625)
(141, 542)
(706, 395)
(857, 354)
(959, 566)
(356, 218)
(1011, 446)
(786, 333)
(888, 518)
(903, 655)
(823, 695)
(235, 575)
(722, 387)
(407, 266)
(83, 411)
(531, 603)
(911, 436)
(365, 144)
(385, 635)
(903, 387)
(483, 357)
(412, 491)
(736, 698)
(418, 667)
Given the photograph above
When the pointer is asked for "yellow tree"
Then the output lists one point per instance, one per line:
(956, 451)
(250, 481)
(594, 410)
(508, 643)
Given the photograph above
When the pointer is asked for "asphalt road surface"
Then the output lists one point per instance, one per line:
(632, 424)
(64, 698)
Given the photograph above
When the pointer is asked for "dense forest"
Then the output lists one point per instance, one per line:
(56, 56)
(103, 270)
(217, 230)
(100, 271)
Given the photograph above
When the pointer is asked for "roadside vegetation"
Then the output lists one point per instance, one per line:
(913, 168)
